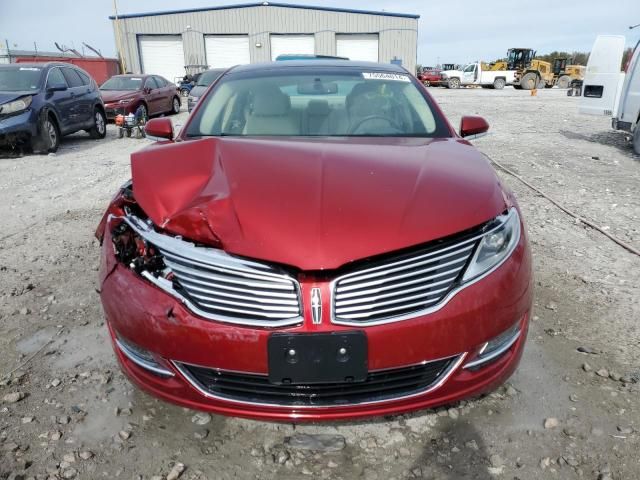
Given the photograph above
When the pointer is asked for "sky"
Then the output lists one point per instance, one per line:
(450, 31)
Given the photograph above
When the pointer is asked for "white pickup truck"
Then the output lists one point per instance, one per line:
(473, 74)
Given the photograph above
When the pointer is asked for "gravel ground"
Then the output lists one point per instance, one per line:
(572, 410)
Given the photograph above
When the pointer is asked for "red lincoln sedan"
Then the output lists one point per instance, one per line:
(317, 243)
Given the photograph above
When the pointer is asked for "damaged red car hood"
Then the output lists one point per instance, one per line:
(315, 204)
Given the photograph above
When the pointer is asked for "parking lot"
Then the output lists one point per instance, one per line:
(572, 410)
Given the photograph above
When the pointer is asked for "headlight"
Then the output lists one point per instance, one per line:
(495, 246)
(16, 106)
(125, 101)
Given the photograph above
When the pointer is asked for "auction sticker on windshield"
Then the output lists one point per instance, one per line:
(395, 77)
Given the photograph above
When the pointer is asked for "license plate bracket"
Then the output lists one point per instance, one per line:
(313, 358)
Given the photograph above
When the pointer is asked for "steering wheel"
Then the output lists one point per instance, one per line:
(369, 118)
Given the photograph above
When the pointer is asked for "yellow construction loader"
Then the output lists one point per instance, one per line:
(530, 72)
(535, 73)
(564, 74)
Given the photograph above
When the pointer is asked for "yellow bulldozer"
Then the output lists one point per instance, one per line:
(564, 75)
(535, 73)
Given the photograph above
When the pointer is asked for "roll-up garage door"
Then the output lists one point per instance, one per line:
(358, 47)
(292, 44)
(225, 51)
(162, 55)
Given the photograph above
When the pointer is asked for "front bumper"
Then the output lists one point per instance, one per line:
(16, 129)
(114, 109)
(150, 318)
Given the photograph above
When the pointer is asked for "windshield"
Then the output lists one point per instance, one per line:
(208, 77)
(317, 102)
(122, 83)
(20, 79)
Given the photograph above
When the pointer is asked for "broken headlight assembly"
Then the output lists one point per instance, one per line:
(16, 106)
(495, 246)
(134, 251)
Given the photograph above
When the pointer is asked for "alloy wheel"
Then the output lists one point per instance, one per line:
(52, 134)
(99, 122)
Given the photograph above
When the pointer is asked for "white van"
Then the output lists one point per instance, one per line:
(607, 91)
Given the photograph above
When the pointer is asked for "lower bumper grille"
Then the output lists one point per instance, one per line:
(379, 386)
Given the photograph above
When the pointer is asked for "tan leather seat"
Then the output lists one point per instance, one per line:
(271, 114)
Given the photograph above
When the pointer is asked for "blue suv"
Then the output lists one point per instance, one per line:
(39, 103)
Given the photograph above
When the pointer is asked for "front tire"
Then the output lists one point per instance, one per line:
(141, 112)
(48, 139)
(529, 81)
(175, 106)
(499, 83)
(184, 92)
(564, 81)
(99, 129)
(454, 83)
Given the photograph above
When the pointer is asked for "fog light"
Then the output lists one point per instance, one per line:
(495, 347)
(141, 357)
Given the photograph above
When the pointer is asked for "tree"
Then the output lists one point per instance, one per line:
(574, 58)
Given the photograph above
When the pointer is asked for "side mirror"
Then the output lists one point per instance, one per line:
(57, 87)
(160, 128)
(472, 125)
(147, 90)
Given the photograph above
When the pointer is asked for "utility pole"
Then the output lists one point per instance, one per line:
(118, 36)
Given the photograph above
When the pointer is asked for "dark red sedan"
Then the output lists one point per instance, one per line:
(317, 243)
(146, 95)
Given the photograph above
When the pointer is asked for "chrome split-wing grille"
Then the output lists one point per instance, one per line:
(224, 287)
(402, 285)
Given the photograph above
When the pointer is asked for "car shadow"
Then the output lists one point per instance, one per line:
(612, 138)
(75, 142)
(456, 452)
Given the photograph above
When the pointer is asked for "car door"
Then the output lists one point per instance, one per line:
(153, 96)
(87, 99)
(79, 96)
(59, 98)
(468, 74)
(168, 92)
(603, 79)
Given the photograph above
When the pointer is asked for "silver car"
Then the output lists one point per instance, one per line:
(206, 79)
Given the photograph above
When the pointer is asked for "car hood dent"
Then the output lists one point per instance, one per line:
(315, 204)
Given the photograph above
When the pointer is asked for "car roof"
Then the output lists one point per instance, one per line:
(38, 65)
(134, 75)
(287, 64)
